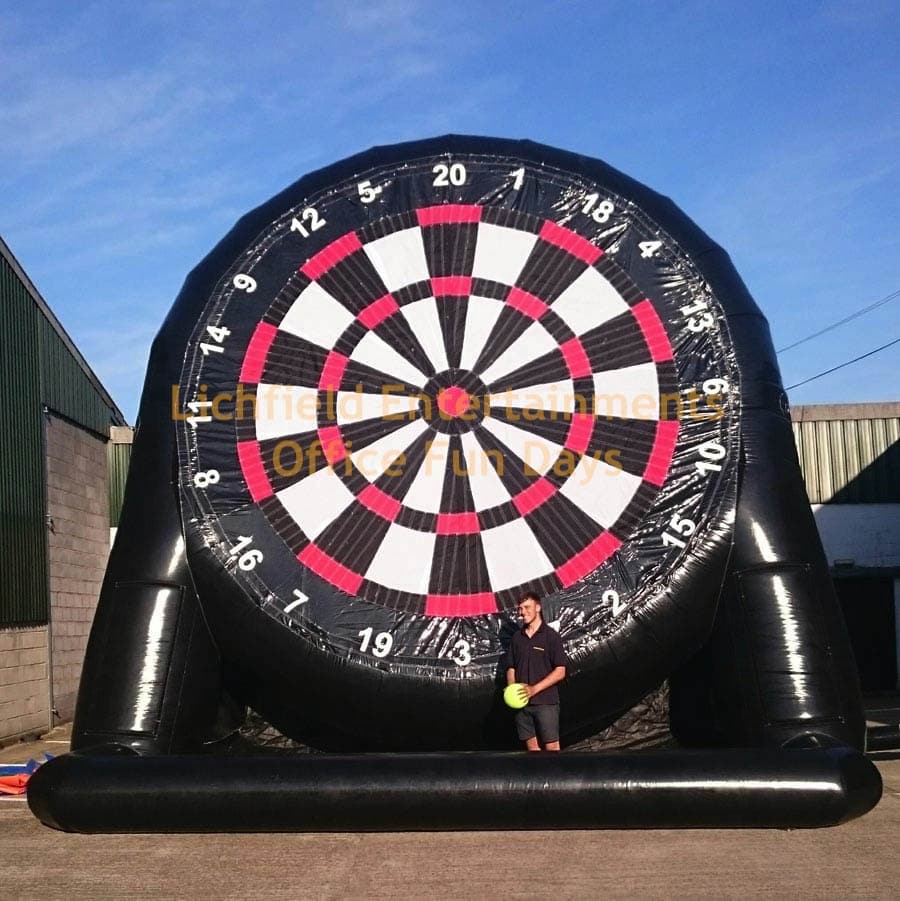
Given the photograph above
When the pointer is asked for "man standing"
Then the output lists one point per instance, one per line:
(537, 659)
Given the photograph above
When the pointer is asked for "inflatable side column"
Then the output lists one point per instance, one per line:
(778, 669)
(151, 680)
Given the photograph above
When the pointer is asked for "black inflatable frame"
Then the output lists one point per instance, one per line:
(768, 711)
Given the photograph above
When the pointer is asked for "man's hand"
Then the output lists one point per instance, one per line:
(557, 675)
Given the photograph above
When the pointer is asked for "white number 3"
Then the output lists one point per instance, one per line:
(462, 653)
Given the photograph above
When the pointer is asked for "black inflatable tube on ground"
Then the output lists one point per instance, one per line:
(883, 738)
(425, 792)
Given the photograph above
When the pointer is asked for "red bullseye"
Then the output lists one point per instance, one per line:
(454, 401)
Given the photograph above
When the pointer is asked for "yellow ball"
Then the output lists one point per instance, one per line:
(514, 696)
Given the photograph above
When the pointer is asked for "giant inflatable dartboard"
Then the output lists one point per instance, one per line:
(431, 384)
(395, 397)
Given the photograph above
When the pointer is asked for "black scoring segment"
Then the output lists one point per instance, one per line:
(450, 248)
(354, 537)
(354, 282)
(549, 271)
(616, 344)
(452, 316)
(510, 325)
(564, 528)
(630, 440)
(551, 367)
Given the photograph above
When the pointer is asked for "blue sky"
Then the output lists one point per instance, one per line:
(135, 134)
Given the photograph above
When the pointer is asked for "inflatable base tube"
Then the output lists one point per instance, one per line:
(883, 738)
(424, 792)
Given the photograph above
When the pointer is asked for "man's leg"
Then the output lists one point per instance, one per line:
(547, 721)
(525, 729)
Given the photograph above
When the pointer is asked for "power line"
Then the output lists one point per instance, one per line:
(844, 321)
(842, 365)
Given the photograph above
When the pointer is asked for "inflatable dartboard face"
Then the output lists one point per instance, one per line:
(432, 378)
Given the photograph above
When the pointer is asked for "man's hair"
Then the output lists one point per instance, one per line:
(530, 596)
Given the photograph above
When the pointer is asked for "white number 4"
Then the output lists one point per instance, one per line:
(649, 248)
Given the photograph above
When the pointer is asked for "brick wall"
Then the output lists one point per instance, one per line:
(24, 688)
(78, 545)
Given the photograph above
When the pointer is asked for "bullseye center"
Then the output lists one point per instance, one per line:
(454, 401)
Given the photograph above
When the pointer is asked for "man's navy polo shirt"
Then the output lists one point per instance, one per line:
(535, 657)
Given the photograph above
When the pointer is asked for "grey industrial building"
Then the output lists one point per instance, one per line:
(56, 420)
(850, 457)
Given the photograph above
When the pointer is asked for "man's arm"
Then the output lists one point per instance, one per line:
(555, 675)
(510, 676)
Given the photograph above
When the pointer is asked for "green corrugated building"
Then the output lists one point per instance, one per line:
(55, 422)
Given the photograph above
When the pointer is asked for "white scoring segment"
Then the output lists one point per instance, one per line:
(501, 253)
(513, 555)
(373, 459)
(600, 490)
(534, 342)
(548, 398)
(428, 485)
(588, 302)
(403, 560)
(357, 406)
(317, 500)
(487, 488)
(284, 410)
(399, 258)
(537, 452)
(629, 393)
(317, 317)
(422, 315)
(374, 351)
(481, 315)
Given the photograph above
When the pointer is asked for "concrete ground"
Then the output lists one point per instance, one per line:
(857, 860)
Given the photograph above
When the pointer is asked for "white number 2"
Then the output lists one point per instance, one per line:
(612, 599)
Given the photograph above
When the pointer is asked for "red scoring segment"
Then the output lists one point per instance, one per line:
(571, 242)
(663, 449)
(447, 213)
(331, 255)
(257, 351)
(654, 331)
(454, 401)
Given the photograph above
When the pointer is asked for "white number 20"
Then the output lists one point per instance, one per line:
(446, 175)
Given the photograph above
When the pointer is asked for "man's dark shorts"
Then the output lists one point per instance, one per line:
(538, 720)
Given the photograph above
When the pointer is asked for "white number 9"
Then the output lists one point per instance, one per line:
(245, 283)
